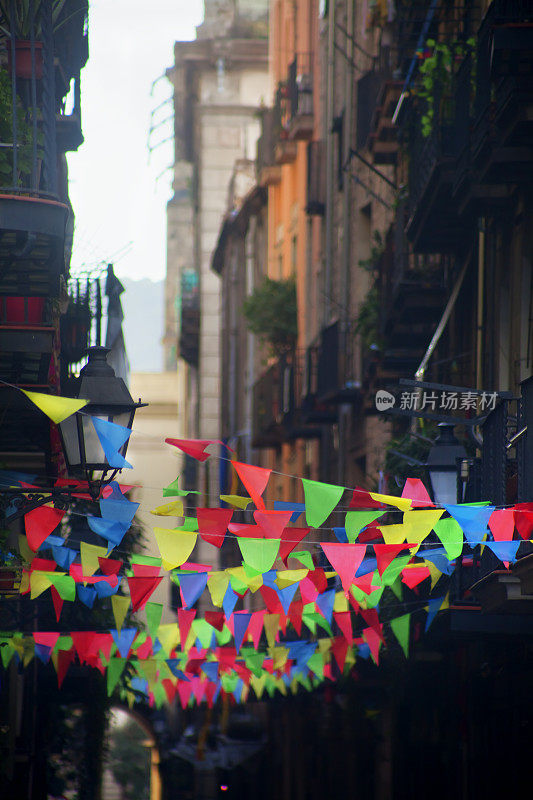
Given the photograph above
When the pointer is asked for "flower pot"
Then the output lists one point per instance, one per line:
(21, 310)
(23, 59)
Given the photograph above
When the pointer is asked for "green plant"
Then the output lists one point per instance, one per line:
(271, 313)
(24, 136)
(22, 22)
(436, 78)
(377, 249)
(367, 323)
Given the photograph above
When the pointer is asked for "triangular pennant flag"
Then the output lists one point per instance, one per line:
(192, 585)
(435, 604)
(286, 596)
(412, 576)
(40, 523)
(385, 553)
(173, 490)
(290, 538)
(124, 640)
(501, 524)
(345, 560)
(271, 626)
(355, 521)
(215, 618)
(64, 660)
(229, 602)
(153, 617)
(192, 447)
(213, 524)
(400, 628)
(173, 509)
(175, 546)
(89, 558)
(320, 500)
(236, 500)
(421, 523)
(241, 620)
(339, 648)
(451, 535)
(115, 668)
(260, 554)
(141, 589)
(120, 605)
(112, 438)
(109, 566)
(344, 621)
(373, 639)
(56, 408)
(524, 522)
(254, 480)
(472, 519)
(255, 627)
(185, 618)
(505, 551)
(273, 523)
(415, 490)
(325, 603)
(57, 601)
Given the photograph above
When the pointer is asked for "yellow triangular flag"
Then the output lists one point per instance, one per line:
(89, 558)
(57, 408)
(434, 571)
(39, 583)
(236, 500)
(217, 583)
(169, 636)
(258, 684)
(403, 503)
(279, 656)
(394, 534)
(286, 577)
(421, 523)
(174, 509)
(175, 546)
(24, 549)
(271, 624)
(120, 606)
(341, 602)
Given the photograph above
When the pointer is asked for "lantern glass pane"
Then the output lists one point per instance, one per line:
(94, 452)
(444, 484)
(69, 432)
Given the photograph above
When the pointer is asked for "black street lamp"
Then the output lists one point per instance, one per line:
(442, 464)
(109, 400)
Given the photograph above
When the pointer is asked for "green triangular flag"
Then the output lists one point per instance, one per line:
(397, 588)
(153, 617)
(115, 668)
(203, 631)
(357, 520)
(394, 569)
(173, 490)
(316, 664)
(254, 661)
(259, 554)
(304, 557)
(451, 535)
(320, 500)
(400, 628)
(190, 524)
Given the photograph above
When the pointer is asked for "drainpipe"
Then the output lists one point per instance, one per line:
(480, 302)
(330, 105)
(345, 354)
(250, 349)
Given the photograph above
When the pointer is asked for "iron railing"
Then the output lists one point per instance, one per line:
(300, 85)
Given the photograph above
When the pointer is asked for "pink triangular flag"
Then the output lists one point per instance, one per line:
(501, 524)
(273, 522)
(415, 490)
(345, 560)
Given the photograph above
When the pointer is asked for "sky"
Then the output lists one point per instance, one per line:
(118, 202)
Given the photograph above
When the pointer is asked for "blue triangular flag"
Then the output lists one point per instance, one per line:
(472, 519)
(174, 666)
(52, 541)
(340, 533)
(439, 557)
(108, 529)
(87, 595)
(210, 668)
(434, 604)
(505, 551)
(112, 437)
(104, 589)
(124, 640)
(43, 652)
(64, 556)
(286, 595)
(118, 509)
(325, 602)
(229, 602)
(192, 585)
(283, 505)
(241, 620)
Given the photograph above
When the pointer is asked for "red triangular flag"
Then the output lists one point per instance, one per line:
(271, 598)
(254, 480)
(192, 447)
(339, 648)
(345, 560)
(184, 691)
(141, 590)
(362, 499)
(295, 615)
(213, 524)
(216, 619)
(255, 627)
(290, 537)
(109, 566)
(57, 601)
(385, 553)
(501, 524)
(412, 576)
(64, 660)
(185, 618)
(344, 622)
(40, 523)
(371, 618)
(273, 523)
(373, 640)
(82, 641)
(524, 523)
(247, 530)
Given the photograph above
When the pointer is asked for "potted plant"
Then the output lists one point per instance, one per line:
(24, 137)
(21, 25)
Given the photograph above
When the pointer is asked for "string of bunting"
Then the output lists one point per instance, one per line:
(346, 588)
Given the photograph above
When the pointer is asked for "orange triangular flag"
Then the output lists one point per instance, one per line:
(254, 480)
